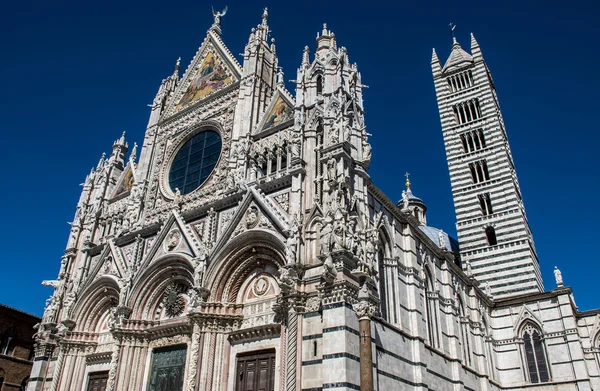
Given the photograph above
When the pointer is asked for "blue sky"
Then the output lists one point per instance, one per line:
(78, 74)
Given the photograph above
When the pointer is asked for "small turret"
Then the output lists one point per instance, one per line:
(119, 148)
(412, 204)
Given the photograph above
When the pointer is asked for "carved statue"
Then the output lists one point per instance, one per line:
(332, 173)
(404, 199)
(558, 277)
(441, 239)
(218, 15)
(469, 268)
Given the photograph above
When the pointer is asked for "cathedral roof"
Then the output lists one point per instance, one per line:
(457, 57)
(432, 233)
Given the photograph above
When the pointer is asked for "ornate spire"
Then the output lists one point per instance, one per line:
(407, 183)
(265, 16)
(133, 155)
(280, 82)
(306, 57)
(177, 66)
(101, 162)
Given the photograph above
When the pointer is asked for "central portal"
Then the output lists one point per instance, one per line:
(256, 371)
(168, 368)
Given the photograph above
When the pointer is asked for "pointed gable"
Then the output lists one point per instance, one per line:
(212, 69)
(279, 111)
(125, 182)
(458, 57)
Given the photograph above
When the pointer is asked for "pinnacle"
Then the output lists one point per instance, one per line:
(434, 57)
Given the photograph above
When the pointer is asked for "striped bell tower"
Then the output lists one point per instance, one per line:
(495, 240)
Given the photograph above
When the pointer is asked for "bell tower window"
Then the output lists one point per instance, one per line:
(490, 234)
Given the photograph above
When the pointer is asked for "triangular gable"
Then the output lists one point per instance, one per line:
(526, 315)
(173, 238)
(595, 333)
(125, 181)
(212, 69)
(255, 211)
(280, 111)
(111, 262)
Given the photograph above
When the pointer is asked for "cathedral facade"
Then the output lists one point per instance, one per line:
(247, 248)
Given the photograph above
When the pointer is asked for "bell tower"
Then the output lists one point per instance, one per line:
(493, 230)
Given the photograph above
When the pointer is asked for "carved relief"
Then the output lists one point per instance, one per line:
(172, 240)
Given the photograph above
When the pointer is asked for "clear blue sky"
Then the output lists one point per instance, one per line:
(77, 74)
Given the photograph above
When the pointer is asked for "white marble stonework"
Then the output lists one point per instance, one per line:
(285, 238)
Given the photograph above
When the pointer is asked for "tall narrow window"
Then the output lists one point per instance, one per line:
(535, 356)
(430, 310)
(464, 334)
(382, 285)
(485, 203)
(319, 85)
(490, 234)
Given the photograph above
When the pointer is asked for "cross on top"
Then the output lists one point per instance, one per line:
(407, 180)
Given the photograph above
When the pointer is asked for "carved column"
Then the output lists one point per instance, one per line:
(291, 349)
(57, 368)
(365, 309)
(195, 350)
(112, 371)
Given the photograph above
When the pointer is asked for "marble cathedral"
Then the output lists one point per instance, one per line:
(246, 247)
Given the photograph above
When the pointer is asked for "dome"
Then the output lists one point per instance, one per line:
(434, 234)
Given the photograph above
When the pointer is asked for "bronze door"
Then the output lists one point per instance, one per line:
(97, 381)
(168, 367)
(256, 372)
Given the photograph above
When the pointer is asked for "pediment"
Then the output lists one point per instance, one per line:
(256, 211)
(125, 181)
(110, 262)
(212, 69)
(174, 237)
(524, 316)
(279, 113)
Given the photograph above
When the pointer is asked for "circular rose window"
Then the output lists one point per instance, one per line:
(195, 161)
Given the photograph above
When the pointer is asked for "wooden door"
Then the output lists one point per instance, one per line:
(256, 372)
(97, 381)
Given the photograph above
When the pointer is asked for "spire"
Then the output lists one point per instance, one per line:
(280, 82)
(177, 66)
(133, 155)
(436, 67)
(101, 162)
(407, 184)
(475, 50)
(265, 16)
(306, 57)
(457, 56)
(120, 142)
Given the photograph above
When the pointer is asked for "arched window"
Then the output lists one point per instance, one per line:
(464, 333)
(382, 285)
(430, 310)
(489, 349)
(535, 354)
(490, 234)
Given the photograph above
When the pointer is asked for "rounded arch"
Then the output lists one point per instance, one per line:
(149, 286)
(239, 258)
(95, 301)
